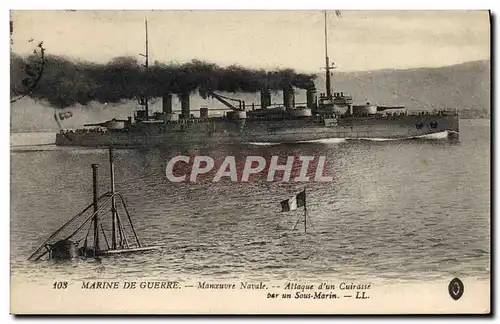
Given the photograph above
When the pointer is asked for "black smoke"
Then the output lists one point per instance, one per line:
(66, 82)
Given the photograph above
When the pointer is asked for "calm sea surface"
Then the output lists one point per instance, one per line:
(395, 210)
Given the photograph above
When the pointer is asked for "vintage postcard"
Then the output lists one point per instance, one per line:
(250, 162)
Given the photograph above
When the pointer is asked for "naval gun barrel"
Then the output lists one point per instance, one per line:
(382, 108)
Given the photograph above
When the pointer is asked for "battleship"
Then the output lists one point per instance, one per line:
(332, 114)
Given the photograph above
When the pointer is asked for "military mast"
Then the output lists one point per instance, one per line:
(144, 99)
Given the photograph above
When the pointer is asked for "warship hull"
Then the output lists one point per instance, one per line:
(221, 131)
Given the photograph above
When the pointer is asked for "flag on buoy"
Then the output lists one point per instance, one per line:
(295, 202)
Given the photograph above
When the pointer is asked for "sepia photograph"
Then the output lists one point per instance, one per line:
(250, 162)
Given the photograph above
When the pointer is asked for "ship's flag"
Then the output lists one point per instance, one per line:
(295, 202)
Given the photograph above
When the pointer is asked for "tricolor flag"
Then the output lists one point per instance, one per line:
(295, 202)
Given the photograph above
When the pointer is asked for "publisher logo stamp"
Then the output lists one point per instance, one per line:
(456, 288)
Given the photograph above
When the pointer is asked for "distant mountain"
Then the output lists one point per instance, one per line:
(463, 86)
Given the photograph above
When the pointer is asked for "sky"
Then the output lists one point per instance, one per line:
(359, 40)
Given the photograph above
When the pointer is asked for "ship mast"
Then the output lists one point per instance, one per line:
(146, 65)
(327, 62)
